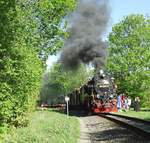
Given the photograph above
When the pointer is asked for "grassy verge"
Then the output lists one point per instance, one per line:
(47, 127)
(142, 114)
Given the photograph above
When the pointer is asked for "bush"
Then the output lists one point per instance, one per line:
(20, 69)
(19, 87)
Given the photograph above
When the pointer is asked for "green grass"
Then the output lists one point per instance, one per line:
(142, 114)
(47, 127)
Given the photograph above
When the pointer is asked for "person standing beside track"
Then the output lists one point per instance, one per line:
(119, 103)
(129, 102)
(137, 104)
(126, 104)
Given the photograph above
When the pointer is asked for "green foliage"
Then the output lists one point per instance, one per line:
(141, 114)
(59, 81)
(20, 69)
(129, 55)
(44, 23)
(47, 127)
(29, 32)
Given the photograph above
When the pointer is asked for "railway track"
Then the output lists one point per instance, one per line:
(140, 126)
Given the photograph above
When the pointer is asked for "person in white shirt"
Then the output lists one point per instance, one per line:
(129, 102)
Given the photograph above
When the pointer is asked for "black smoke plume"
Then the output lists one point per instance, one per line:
(87, 26)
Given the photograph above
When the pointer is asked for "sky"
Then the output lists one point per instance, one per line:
(119, 9)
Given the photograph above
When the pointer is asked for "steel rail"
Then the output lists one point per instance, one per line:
(129, 117)
(130, 122)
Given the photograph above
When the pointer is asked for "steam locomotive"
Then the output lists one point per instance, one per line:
(96, 96)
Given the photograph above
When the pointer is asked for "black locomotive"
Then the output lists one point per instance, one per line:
(96, 96)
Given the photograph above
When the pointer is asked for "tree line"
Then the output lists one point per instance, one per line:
(59, 81)
(129, 56)
(30, 30)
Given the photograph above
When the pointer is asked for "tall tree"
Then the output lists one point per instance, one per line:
(30, 30)
(44, 23)
(59, 81)
(129, 54)
(20, 68)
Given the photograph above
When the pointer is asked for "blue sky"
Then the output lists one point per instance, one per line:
(119, 9)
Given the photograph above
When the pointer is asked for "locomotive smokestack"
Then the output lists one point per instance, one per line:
(87, 26)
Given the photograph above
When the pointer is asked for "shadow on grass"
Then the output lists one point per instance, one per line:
(76, 113)
(145, 110)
